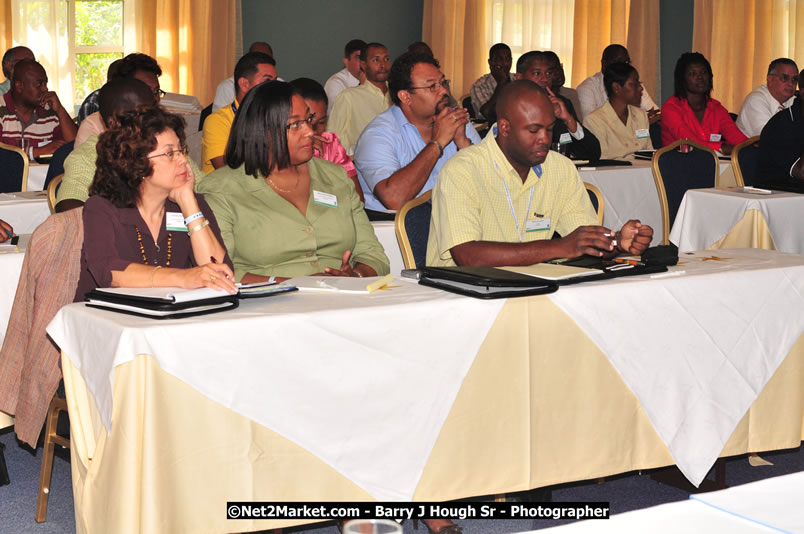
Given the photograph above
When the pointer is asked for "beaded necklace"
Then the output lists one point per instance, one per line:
(142, 248)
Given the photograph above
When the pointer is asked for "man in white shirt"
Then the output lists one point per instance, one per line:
(225, 93)
(592, 93)
(349, 76)
(768, 99)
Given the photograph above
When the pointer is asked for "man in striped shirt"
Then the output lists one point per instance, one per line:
(31, 117)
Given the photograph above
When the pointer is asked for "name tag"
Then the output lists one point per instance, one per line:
(643, 133)
(565, 138)
(325, 199)
(175, 222)
(537, 225)
(714, 138)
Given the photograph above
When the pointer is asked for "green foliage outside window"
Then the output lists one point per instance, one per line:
(97, 23)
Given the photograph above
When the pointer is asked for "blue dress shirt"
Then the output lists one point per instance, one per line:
(389, 143)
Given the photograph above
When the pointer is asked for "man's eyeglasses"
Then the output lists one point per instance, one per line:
(171, 155)
(787, 78)
(433, 87)
(298, 124)
(159, 94)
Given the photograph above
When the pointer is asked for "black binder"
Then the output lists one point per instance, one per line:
(485, 282)
(159, 307)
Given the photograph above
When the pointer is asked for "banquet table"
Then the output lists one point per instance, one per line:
(37, 174)
(770, 505)
(723, 218)
(11, 259)
(630, 193)
(322, 397)
(24, 211)
(386, 233)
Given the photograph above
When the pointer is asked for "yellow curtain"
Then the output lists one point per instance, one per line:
(456, 30)
(5, 25)
(194, 43)
(749, 34)
(643, 42)
(598, 23)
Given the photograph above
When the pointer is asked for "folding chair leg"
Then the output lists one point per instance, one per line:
(51, 439)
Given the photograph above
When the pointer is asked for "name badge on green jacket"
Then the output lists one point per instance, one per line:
(325, 199)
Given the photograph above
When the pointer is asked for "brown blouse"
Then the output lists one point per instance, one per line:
(111, 242)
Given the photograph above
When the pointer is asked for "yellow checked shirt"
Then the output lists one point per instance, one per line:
(353, 110)
(618, 140)
(470, 204)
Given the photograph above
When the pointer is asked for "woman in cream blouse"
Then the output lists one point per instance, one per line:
(620, 124)
(282, 212)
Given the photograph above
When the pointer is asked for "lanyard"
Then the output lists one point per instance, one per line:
(538, 170)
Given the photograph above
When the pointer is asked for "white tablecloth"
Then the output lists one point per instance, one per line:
(629, 193)
(771, 505)
(707, 215)
(10, 267)
(696, 350)
(24, 211)
(37, 173)
(387, 235)
(332, 372)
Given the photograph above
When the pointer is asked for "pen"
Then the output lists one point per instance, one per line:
(635, 263)
(14, 239)
(213, 260)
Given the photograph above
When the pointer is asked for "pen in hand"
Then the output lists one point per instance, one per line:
(213, 260)
(14, 238)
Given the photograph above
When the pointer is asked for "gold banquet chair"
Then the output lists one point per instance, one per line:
(744, 160)
(412, 225)
(52, 189)
(596, 197)
(14, 163)
(678, 167)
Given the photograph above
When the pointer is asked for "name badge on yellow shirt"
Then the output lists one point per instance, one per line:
(537, 225)
(175, 222)
(564, 138)
(325, 199)
(642, 133)
(714, 138)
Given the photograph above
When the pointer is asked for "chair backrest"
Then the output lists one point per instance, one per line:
(52, 189)
(56, 166)
(655, 130)
(744, 160)
(596, 197)
(678, 167)
(206, 112)
(13, 169)
(412, 224)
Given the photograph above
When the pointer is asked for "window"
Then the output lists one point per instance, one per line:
(75, 40)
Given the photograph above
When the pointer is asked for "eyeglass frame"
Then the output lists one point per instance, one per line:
(433, 86)
(295, 125)
(787, 78)
(171, 154)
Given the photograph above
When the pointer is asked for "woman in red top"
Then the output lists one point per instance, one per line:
(692, 113)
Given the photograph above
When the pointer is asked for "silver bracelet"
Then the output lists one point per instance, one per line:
(197, 228)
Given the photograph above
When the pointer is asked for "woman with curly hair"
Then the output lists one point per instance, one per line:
(692, 113)
(143, 224)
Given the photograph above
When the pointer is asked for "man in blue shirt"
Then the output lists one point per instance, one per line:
(400, 153)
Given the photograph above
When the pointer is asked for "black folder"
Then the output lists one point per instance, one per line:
(485, 282)
(159, 307)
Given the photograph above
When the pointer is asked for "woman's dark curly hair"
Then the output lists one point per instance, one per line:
(123, 153)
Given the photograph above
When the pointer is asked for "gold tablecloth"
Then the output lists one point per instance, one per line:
(541, 405)
(751, 232)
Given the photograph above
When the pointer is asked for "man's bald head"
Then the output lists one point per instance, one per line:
(25, 66)
(513, 94)
(261, 47)
(525, 122)
(123, 94)
(12, 56)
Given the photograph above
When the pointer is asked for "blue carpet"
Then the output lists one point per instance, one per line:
(626, 492)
